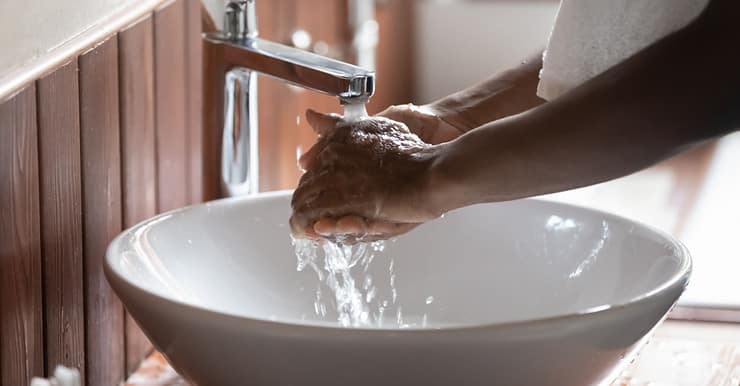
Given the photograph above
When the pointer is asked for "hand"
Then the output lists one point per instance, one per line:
(423, 121)
(368, 178)
(420, 120)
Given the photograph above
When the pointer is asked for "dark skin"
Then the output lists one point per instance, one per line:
(497, 141)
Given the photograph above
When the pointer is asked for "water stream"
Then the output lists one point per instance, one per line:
(343, 268)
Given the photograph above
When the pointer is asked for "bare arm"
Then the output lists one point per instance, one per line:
(677, 92)
(508, 93)
(680, 91)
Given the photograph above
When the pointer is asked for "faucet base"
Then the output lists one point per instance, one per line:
(239, 150)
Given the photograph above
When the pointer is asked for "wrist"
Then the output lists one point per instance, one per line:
(443, 189)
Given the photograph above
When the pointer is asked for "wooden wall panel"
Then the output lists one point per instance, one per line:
(138, 153)
(212, 127)
(99, 123)
(21, 320)
(327, 22)
(61, 217)
(171, 104)
(283, 128)
(194, 84)
(394, 55)
(82, 153)
(278, 103)
(138, 138)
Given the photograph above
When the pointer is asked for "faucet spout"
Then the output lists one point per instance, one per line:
(348, 82)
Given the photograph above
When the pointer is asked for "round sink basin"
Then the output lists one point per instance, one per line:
(525, 292)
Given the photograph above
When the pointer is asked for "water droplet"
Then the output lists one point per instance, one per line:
(430, 300)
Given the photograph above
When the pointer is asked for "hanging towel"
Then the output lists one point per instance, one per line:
(590, 36)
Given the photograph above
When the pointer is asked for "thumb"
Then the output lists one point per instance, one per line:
(305, 161)
(322, 123)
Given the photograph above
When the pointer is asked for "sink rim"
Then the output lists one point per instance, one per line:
(118, 280)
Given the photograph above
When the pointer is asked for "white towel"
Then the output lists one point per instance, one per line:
(590, 36)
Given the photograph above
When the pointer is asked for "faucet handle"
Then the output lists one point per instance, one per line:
(240, 19)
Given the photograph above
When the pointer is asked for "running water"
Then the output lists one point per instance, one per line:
(343, 268)
(354, 111)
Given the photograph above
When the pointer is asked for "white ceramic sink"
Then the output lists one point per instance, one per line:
(524, 293)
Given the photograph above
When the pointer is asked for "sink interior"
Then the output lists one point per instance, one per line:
(486, 264)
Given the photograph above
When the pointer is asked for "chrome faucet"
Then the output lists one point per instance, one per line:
(244, 56)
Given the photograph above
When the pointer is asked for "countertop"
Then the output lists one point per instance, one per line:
(679, 354)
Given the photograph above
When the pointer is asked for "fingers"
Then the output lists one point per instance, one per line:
(323, 152)
(325, 226)
(400, 113)
(386, 230)
(322, 123)
(345, 225)
(389, 229)
(351, 227)
(300, 230)
(412, 116)
(306, 160)
(311, 186)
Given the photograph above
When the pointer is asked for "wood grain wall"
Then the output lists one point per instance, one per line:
(98, 144)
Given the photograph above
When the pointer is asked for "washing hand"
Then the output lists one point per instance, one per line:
(424, 121)
(368, 178)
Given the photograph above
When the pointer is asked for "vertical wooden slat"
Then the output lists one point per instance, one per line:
(99, 125)
(138, 156)
(327, 21)
(278, 103)
(394, 55)
(194, 62)
(170, 102)
(212, 126)
(61, 217)
(21, 319)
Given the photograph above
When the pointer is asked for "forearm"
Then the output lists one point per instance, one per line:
(680, 91)
(507, 93)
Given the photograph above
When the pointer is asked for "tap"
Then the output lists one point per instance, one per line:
(234, 57)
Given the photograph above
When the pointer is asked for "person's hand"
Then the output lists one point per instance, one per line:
(423, 121)
(367, 178)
